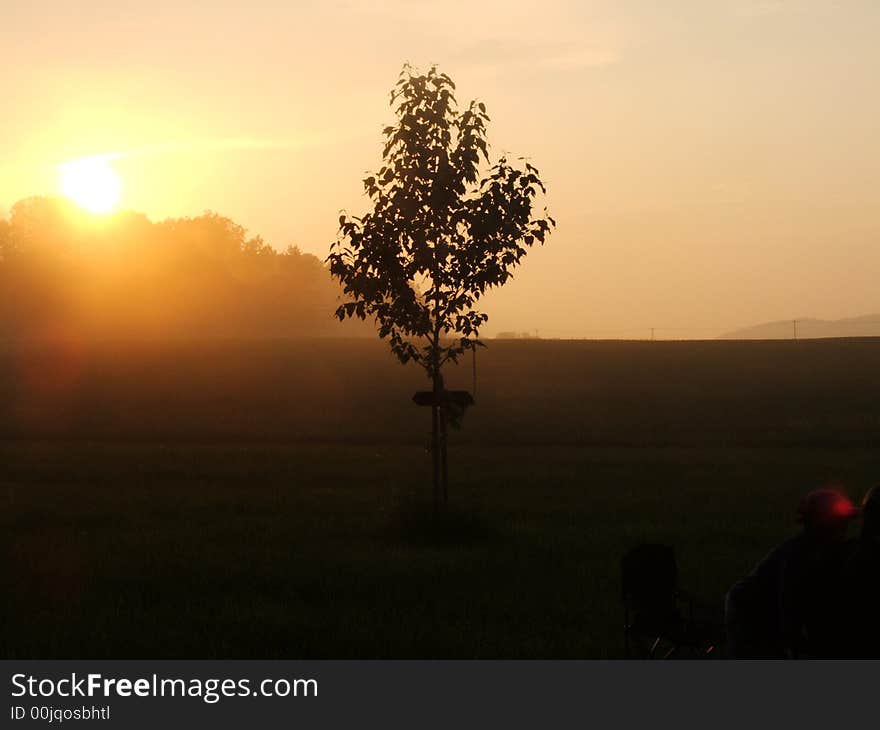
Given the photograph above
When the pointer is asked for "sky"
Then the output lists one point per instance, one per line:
(710, 165)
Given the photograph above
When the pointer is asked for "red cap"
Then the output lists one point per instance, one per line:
(826, 507)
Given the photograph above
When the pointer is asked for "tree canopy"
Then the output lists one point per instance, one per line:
(445, 226)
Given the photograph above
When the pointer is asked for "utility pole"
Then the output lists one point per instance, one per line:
(794, 325)
(652, 334)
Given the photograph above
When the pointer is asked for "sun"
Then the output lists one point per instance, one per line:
(91, 183)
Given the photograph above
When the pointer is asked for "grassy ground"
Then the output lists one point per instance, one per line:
(155, 550)
(265, 499)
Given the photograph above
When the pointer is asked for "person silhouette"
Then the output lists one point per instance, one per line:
(861, 579)
(778, 610)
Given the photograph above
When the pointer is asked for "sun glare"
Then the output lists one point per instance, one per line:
(91, 183)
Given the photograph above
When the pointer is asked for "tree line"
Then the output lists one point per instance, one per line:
(66, 273)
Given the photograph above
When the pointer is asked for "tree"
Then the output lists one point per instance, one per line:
(64, 270)
(5, 240)
(444, 228)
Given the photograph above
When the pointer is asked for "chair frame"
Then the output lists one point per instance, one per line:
(683, 635)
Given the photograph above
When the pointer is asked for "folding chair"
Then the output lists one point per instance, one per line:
(654, 625)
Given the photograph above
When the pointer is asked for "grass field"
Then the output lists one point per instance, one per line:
(268, 499)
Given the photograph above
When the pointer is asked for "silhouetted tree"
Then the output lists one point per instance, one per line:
(5, 241)
(444, 228)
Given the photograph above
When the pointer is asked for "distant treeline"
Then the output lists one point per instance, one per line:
(67, 274)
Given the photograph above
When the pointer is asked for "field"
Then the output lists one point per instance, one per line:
(268, 499)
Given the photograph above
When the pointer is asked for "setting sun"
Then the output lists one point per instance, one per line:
(91, 183)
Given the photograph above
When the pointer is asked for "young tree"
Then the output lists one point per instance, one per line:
(445, 227)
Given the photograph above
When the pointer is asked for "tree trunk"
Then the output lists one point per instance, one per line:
(444, 463)
(435, 440)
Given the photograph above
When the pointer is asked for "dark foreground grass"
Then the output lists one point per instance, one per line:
(146, 550)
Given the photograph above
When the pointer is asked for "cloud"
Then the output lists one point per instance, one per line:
(512, 54)
(230, 144)
(223, 143)
(502, 36)
(770, 8)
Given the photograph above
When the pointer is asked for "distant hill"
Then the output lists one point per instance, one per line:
(865, 326)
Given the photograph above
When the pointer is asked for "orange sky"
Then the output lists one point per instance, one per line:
(710, 165)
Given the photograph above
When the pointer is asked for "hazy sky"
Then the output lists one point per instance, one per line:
(710, 164)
